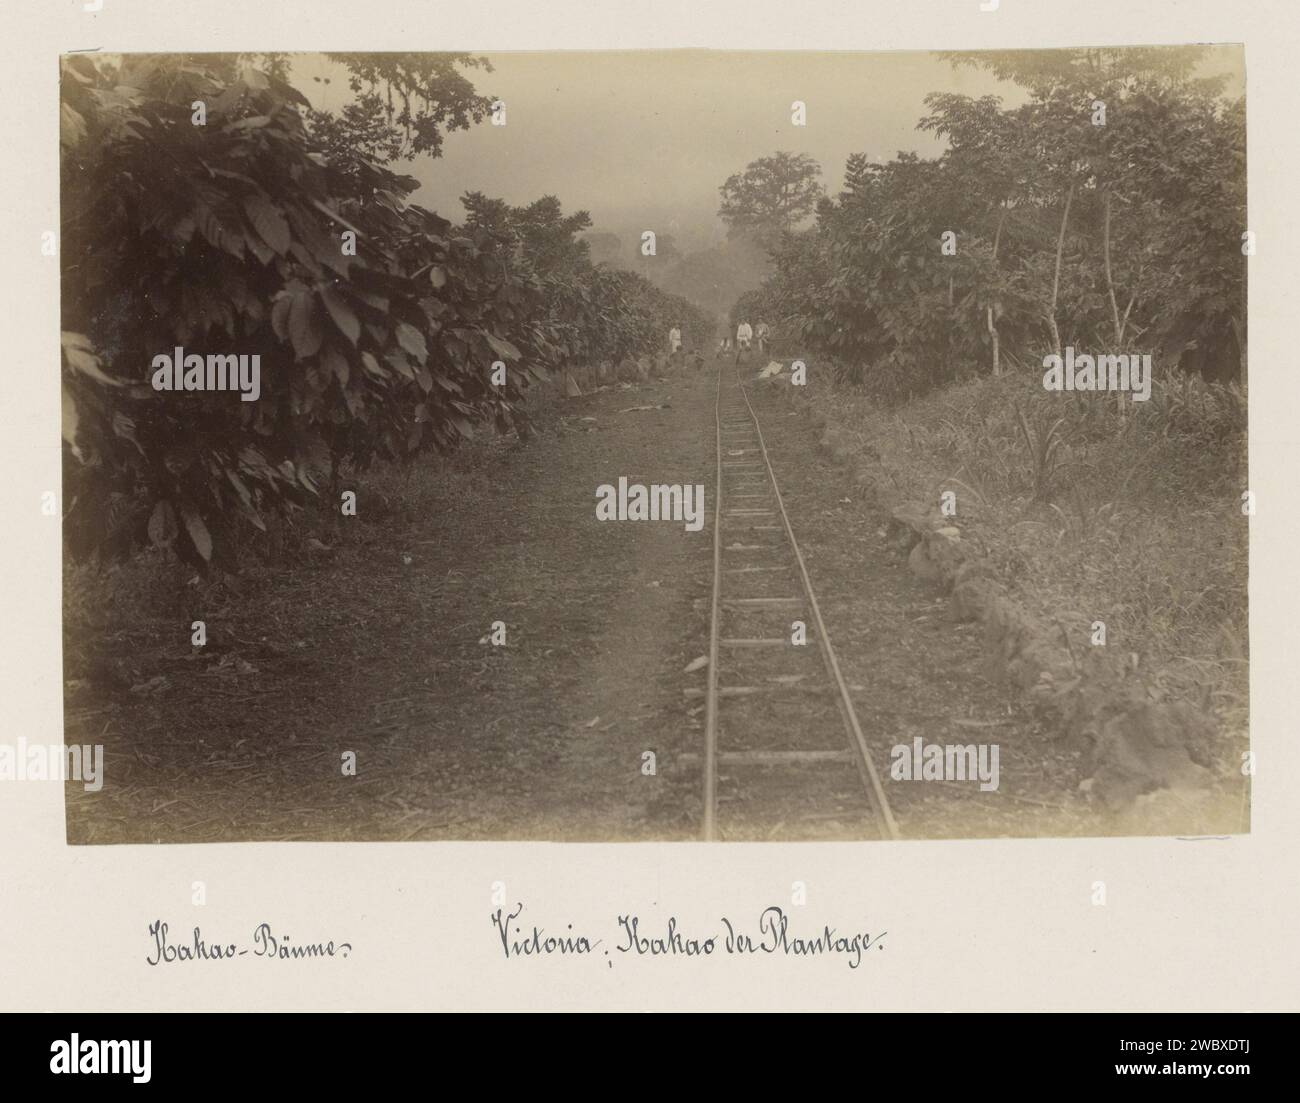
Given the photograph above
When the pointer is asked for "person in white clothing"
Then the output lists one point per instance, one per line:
(744, 334)
(675, 339)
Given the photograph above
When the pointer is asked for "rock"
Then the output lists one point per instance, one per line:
(918, 520)
(973, 569)
(1140, 746)
(1034, 658)
(1184, 811)
(1142, 749)
(921, 565)
(972, 598)
(946, 552)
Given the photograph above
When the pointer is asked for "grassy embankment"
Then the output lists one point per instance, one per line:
(1089, 515)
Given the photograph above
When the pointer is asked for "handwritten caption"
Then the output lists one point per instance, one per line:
(266, 943)
(773, 933)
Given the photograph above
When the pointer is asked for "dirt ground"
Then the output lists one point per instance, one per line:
(381, 650)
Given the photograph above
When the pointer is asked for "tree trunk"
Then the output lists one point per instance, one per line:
(993, 333)
(1110, 292)
(1110, 279)
(1056, 276)
(993, 329)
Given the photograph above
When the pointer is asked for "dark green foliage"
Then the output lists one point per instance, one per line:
(1158, 192)
(228, 238)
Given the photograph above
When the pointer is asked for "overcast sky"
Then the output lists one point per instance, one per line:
(646, 137)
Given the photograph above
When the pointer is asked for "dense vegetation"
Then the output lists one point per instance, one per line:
(207, 206)
(1107, 211)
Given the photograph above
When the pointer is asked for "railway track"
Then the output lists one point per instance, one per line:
(784, 753)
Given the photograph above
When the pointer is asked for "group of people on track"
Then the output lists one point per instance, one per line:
(746, 337)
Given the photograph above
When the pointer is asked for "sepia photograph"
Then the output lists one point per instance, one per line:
(654, 445)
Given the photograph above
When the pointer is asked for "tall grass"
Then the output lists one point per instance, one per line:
(1130, 518)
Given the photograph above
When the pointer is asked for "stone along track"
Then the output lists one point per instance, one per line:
(784, 753)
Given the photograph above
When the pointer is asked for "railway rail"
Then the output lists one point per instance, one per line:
(784, 750)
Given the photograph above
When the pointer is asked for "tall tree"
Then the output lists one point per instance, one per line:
(772, 196)
(405, 103)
